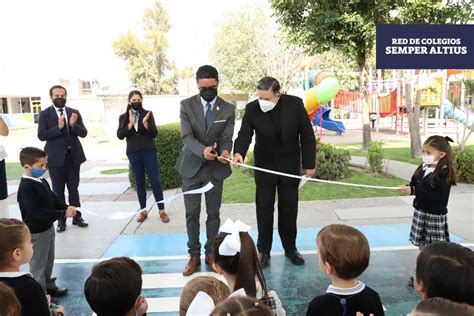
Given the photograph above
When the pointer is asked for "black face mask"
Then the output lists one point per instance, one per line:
(208, 94)
(136, 105)
(59, 102)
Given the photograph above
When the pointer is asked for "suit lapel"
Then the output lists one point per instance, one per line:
(215, 112)
(196, 108)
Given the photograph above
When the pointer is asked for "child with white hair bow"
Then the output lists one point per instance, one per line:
(236, 258)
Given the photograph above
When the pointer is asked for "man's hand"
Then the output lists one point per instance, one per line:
(224, 154)
(309, 173)
(145, 119)
(238, 159)
(208, 155)
(405, 189)
(131, 119)
(61, 121)
(73, 119)
(70, 211)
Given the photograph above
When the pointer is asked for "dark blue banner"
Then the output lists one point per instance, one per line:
(425, 46)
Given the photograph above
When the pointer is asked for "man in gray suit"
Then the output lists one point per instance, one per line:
(207, 126)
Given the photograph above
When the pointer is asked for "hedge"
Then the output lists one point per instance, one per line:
(168, 143)
(464, 162)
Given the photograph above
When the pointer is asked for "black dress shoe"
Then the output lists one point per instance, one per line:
(264, 259)
(57, 292)
(79, 222)
(61, 227)
(295, 257)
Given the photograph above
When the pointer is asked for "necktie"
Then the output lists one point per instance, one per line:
(136, 121)
(208, 115)
(67, 142)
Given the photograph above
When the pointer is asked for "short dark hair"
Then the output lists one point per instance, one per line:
(438, 306)
(269, 83)
(56, 87)
(133, 92)
(113, 286)
(447, 270)
(207, 72)
(30, 155)
(241, 305)
(345, 248)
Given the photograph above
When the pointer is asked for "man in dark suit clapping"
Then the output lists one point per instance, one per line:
(61, 128)
(284, 141)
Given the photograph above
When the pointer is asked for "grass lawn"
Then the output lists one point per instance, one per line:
(240, 188)
(114, 171)
(14, 170)
(394, 150)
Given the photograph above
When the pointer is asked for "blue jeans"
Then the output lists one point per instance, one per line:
(141, 161)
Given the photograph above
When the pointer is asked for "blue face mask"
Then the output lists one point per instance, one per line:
(36, 173)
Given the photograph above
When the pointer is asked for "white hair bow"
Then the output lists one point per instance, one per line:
(203, 304)
(230, 246)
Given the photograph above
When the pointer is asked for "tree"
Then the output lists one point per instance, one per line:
(146, 57)
(349, 26)
(249, 46)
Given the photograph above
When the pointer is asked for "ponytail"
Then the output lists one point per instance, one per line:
(245, 265)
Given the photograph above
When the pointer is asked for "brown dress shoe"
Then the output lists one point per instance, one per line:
(209, 262)
(142, 216)
(191, 266)
(164, 217)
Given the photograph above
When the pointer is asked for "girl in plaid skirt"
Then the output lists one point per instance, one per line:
(431, 184)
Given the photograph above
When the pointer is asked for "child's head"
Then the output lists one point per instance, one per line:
(244, 265)
(9, 304)
(114, 287)
(16, 248)
(241, 306)
(446, 270)
(343, 251)
(438, 306)
(34, 161)
(436, 149)
(213, 287)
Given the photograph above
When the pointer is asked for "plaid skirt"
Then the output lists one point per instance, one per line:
(427, 228)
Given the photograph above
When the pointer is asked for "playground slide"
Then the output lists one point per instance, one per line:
(328, 123)
(325, 87)
(450, 111)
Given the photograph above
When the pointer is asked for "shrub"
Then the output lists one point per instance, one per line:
(375, 156)
(168, 144)
(249, 160)
(464, 162)
(331, 163)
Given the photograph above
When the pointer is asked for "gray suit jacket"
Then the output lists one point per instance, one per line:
(195, 136)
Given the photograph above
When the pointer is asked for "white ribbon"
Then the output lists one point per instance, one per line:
(202, 305)
(230, 246)
(304, 179)
(204, 189)
(239, 293)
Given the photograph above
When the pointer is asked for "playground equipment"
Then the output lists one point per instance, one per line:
(321, 87)
(323, 120)
(451, 112)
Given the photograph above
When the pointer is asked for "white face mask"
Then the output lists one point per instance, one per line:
(266, 105)
(428, 159)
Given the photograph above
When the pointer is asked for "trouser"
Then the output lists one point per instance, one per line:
(41, 264)
(192, 203)
(146, 160)
(287, 212)
(3, 191)
(67, 175)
